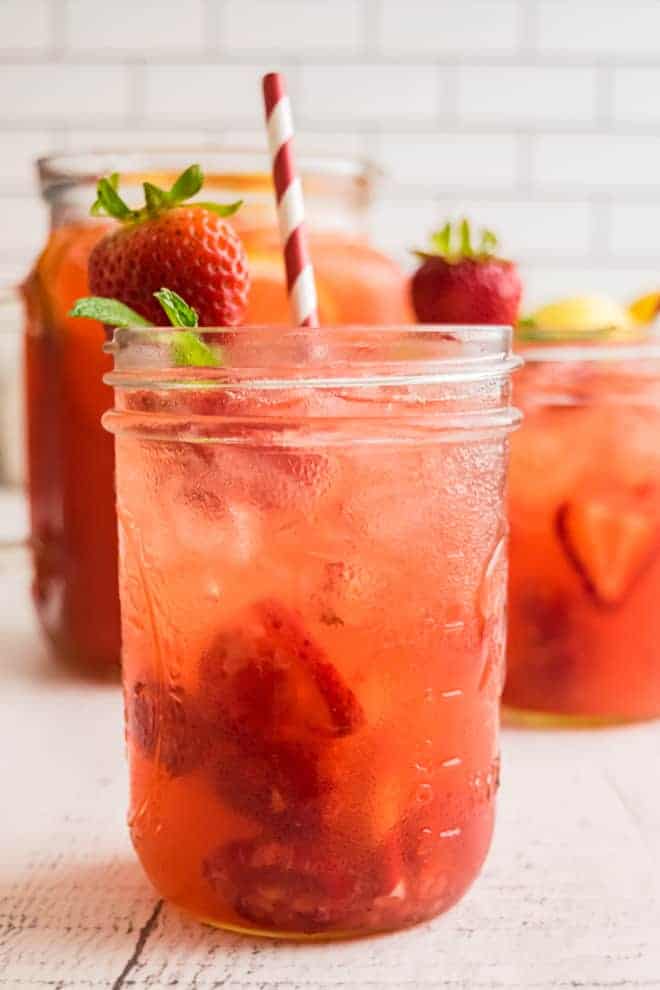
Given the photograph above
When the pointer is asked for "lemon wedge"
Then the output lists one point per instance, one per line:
(581, 317)
(583, 314)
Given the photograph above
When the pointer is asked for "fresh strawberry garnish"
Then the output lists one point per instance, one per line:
(609, 539)
(267, 678)
(459, 283)
(165, 725)
(188, 247)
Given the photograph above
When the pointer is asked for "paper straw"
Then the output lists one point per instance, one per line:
(300, 283)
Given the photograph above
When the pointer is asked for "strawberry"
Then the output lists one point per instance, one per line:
(461, 284)
(166, 727)
(609, 539)
(274, 702)
(553, 648)
(300, 886)
(188, 247)
(277, 784)
(266, 678)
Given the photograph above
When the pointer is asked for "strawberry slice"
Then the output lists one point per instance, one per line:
(343, 713)
(609, 539)
(267, 679)
(300, 886)
(279, 785)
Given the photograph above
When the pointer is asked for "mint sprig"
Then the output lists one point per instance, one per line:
(109, 311)
(187, 348)
(109, 203)
(177, 310)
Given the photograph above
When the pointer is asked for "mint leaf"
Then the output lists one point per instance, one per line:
(178, 312)
(222, 209)
(189, 350)
(109, 311)
(187, 185)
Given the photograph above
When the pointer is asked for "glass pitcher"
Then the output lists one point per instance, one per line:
(70, 463)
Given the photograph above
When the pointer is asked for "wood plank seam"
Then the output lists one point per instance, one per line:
(142, 939)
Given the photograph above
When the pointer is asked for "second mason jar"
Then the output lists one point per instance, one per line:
(584, 629)
(313, 579)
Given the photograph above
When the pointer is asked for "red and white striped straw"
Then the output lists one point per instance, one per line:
(290, 205)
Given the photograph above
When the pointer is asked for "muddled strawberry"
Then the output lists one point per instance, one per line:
(343, 713)
(266, 678)
(300, 886)
(274, 702)
(165, 725)
(555, 650)
(609, 538)
(279, 785)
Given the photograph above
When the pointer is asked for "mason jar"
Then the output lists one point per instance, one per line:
(584, 628)
(70, 459)
(313, 581)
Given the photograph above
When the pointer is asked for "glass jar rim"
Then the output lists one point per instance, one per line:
(62, 168)
(423, 382)
(344, 356)
(591, 352)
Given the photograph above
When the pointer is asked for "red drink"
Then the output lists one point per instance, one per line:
(585, 535)
(70, 457)
(312, 576)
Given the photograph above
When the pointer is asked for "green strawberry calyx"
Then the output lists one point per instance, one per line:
(454, 242)
(187, 348)
(108, 202)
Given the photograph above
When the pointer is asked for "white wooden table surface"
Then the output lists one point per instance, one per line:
(569, 898)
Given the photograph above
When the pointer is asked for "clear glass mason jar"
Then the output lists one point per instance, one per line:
(313, 580)
(70, 458)
(584, 626)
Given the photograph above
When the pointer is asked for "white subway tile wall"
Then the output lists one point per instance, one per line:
(538, 117)
(121, 27)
